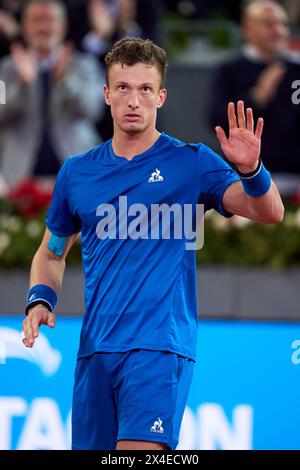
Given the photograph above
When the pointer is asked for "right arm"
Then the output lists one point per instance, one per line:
(48, 269)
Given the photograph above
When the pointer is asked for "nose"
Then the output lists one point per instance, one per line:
(133, 102)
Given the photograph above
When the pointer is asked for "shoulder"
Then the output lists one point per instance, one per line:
(72, 167)
(192, 148)
(232, 61)
(235, 57)
(198, 154)
(183, 152)
(79, 159)
(292, 63)
(177, 144)
(73, 164)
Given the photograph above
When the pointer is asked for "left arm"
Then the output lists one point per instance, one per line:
(266, 209)
(243, 149)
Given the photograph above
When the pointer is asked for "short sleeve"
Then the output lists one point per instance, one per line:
(215, 177)
(61, 220)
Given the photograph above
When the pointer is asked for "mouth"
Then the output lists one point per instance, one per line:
(132, 116)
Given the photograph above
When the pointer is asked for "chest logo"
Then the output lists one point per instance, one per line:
(156, 177)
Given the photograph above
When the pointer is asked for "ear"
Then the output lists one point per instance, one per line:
(106, 94)
(162, 96)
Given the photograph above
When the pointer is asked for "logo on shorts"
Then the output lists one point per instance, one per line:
(157, 426)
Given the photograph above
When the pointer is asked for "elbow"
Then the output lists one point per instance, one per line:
(276, 217)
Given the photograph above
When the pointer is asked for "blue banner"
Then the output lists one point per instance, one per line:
(245, 392)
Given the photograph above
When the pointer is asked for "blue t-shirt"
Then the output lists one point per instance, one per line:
(140, 290)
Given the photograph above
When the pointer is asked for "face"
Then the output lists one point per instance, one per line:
(267, 29)
(134, 95)
(44, 27)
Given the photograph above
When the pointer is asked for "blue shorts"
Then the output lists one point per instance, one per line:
(136, 395)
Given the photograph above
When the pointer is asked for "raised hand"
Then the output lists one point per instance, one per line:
(24, 63)
(63, 61)
(8, 25)
(268, 82)
(242, 148)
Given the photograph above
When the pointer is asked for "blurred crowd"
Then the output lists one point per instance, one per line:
(52, 62)
(263, 74)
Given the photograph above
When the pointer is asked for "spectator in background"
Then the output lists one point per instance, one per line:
(262, 75)
(54, 97)
(10, 12)
(118, 18)
(109, 21)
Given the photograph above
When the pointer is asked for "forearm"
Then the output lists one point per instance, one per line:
(46, 276)
(267, 209)
(47, 269)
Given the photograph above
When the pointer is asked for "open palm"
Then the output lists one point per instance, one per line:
(242, 148)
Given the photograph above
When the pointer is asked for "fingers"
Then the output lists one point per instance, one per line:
(27, 329)
(250, 120)
(241, 114)
(51, 320)
(221, 135)
(242, 121)
(259, 128)
(233, 122)
(35, 326)
(36, 317)
(232, 116)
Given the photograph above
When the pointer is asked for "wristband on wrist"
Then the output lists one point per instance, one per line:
(41, 294)
(258, 182)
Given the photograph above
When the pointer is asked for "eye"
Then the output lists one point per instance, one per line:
(146, 89)
(122, 87)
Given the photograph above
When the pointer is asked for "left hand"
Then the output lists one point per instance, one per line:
(242, 148)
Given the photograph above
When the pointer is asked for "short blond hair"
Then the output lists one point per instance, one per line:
(131, 51)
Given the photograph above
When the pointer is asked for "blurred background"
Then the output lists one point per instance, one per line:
(244, 394)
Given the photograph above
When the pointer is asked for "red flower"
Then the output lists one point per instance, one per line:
(295, 198)
(30, 197)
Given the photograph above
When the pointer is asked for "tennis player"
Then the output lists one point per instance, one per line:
(138, 338)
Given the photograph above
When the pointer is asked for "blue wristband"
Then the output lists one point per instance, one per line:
(256, 184)
(41, 294)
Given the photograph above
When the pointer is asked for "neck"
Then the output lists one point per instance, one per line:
(264, 55)
(128, 145)
(43, 54)
(268, 56)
